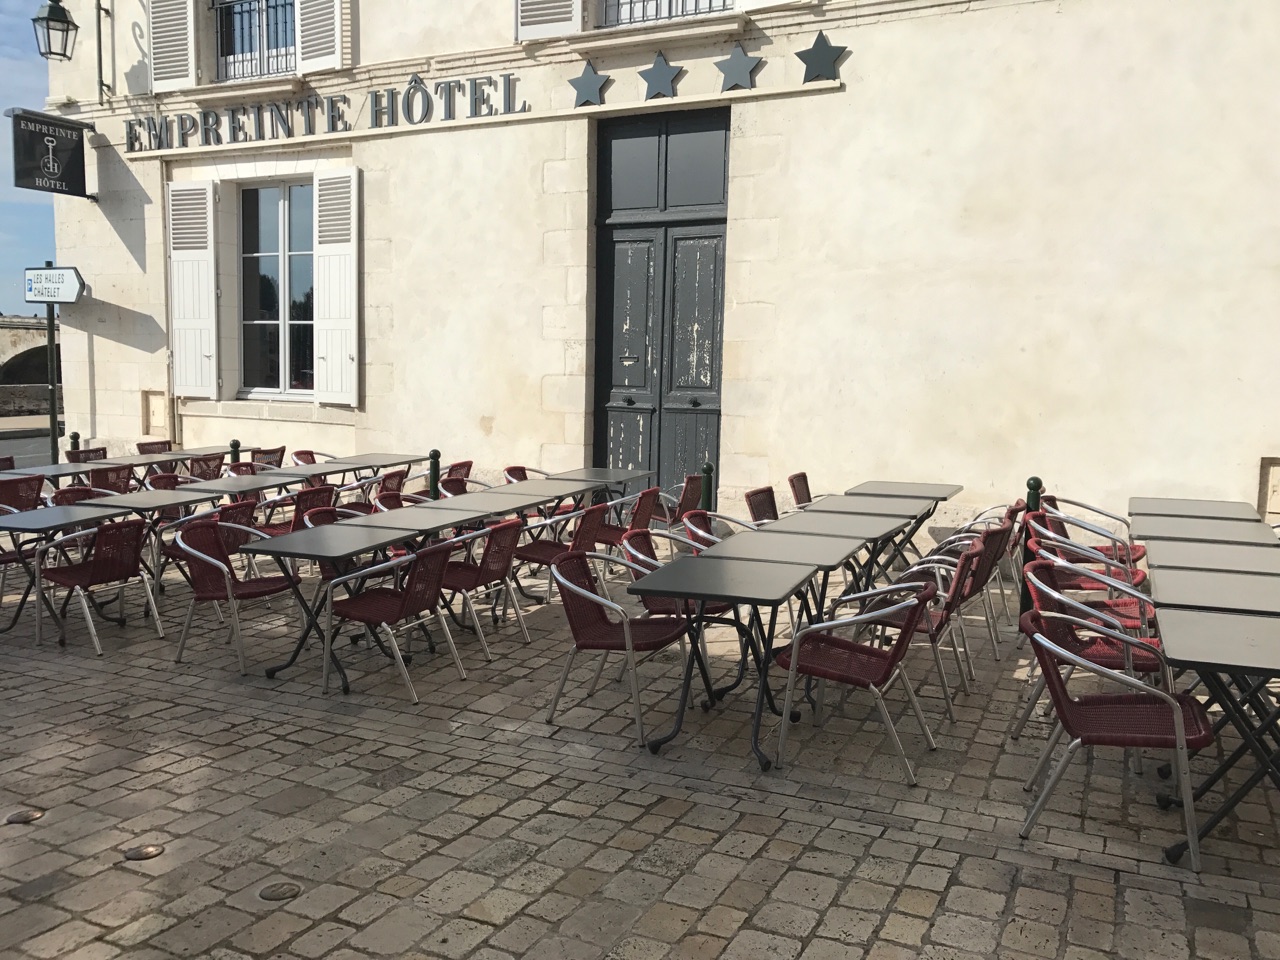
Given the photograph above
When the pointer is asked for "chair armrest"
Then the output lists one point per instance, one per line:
(365, 573)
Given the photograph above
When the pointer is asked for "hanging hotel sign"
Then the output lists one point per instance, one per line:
(417, 103)
(48, 154)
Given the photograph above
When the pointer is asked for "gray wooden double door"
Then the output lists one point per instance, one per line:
(660, 283)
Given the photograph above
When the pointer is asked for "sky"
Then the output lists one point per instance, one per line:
(26, 216)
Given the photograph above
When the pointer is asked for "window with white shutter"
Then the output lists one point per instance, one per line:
(545, 19)
(193, 290)
(337, 286)
(173, 44)
(320, 39)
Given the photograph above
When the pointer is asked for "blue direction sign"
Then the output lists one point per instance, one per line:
(53, 285)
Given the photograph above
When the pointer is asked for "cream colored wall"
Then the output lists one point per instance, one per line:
(390, 30)
(1036, 239)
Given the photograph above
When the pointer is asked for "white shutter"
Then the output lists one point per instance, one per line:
(173, 44)
(337, 286)
(319, 35)
(543, 19)
(193, 290)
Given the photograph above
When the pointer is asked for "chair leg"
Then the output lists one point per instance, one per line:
(475, 622)
(964, 647)
(1004, 598)
(235, 633)
(984, 603)
(893, 734)
(1045, 756)
(1036, 808)
(1188, 805)
(915, 707)
(564, 676)
(955, 652)
(404, 671)
(595, 681)
(448, 639)
(635, 695)
(942, 681)
(1032, 701)
(509, 593)
(786, 717)
(151, 599)
(186, 628)
(88, 619)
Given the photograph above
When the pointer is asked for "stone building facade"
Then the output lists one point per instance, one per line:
(987, 239)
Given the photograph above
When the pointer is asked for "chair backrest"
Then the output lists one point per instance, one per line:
(460, 469)
(761, 504)
(1060, 634)
(390, 500)
(697, 522)
(690, 496)
(238, 514)
(308, 498)
(499, 549)
(641, 541)
(320, 517)
(117, 551)
(304, 457)
(906, 627)
(7, 463)
(961, 576)
(423, 583)
(642, 509)
(515, 474)
(21, 493)
(164, 481)
(245, 468)
(74, 494)
(207, 537)
(86, 455)
(453, 486)
(155, 446)
(589, 524)
(273, 457)
(995, 544)
(115, 479)
(800, 488)
(208, 467)
(587, 620)
(393, 482)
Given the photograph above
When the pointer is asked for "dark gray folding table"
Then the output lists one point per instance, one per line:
(309, 471)
(335, 544)
(759, 583)
(826, 553)
(499, 504)
(1236, 655)
(381, 461)
(878, 531)
(895, 488)
(249, 483)
(417, 520)
(1232, 557)
(561, 489)
(1148, 528)
(909, 507)
(1215, 590)
(1201, 509)
(150, 505)
(41, 524)
(610, 476)
(55, 472)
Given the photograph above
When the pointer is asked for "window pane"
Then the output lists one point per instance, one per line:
(279, 24)
(261, 300)
(301, 289)
(300, 218)
(301, 357)
(260, 220)
(261, 355)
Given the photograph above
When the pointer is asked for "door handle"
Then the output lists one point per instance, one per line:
(629, 401)
(695, 402)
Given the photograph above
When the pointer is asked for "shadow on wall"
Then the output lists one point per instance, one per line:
(99, 320)
(137, 79)
(123, 203)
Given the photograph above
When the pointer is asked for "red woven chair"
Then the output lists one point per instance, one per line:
(1039, 525)
(307, 457)
(1122, 549)
(638, 547)
(233, 518)
(214, 578)
(610, 534)
(77, 493)
(273, 457)
(519, 474)
(111, 556)
(458, 471)
(761, 504)
(7, 463)
(594, 629)
(1144, 717)
(308, 498)
(457, 486)
(542, 552)
(699, 524)
(892, 615)
(158, 446)
(244, 468)
(207, 467)
(19, 494)
(670, 511)
(395, 500)
(379, 609)
(392, 482)
(112, 479)
(489, 575)
(86, 455)
(799, 483)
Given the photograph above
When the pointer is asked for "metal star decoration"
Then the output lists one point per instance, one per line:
(820, 59)
(588, 88)
(738, 69)
(661, 78)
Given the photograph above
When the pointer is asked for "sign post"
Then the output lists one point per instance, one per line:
(50, 286)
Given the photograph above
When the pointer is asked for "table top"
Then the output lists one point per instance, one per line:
(413, 520)
(148, 459)
(894, 488)
(334, 541)
(1216, 590)
(254, 483)
(1204, 509)
(557, 488)
(603, 474)
(497, 504)
(328, 468)
(853, 526)
(762, 582)
(188, 453)
(382, 460)
(910, 507)
(1198, 638)
(1240, 558)
(1193, 528)
(144, 501)
(59, 470)
(50, 519)
(825, 553)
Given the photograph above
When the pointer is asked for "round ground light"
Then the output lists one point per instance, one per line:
(279, 891)
(146, 852)
(24, 816)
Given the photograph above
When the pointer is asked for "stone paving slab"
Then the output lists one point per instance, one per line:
(468, 827)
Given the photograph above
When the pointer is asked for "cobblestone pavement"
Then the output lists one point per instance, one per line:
(467, 827)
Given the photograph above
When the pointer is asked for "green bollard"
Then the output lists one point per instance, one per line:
(75, 441)
(433, 466)
(1034, 486)
(708, 490)
(235, 451)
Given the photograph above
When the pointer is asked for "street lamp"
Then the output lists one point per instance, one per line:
(55, 31)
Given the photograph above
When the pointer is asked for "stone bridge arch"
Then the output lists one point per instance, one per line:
(23, 351)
